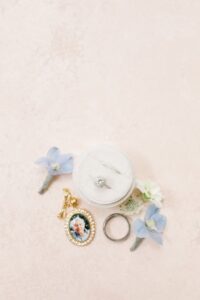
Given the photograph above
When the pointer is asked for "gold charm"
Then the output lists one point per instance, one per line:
(79, 223)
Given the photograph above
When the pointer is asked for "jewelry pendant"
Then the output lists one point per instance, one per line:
(79, 223)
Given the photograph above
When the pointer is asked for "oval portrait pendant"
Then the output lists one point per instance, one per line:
(79, 223)
(80, 227)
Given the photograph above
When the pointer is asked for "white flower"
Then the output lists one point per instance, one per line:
(150, 192)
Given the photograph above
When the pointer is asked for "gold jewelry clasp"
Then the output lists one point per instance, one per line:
(69, 201)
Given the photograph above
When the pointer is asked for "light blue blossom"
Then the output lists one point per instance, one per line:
(56, 164)
(152, 227)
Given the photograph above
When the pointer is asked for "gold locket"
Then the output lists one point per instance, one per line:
(79, 223)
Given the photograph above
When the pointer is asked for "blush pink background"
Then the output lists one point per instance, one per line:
(79, 73)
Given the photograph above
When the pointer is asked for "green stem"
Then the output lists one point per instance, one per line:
(46, 184)
(136, 243)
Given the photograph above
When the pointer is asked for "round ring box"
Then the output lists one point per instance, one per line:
(108, 163)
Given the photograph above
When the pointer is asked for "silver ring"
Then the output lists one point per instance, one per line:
(107, 220)
(101, 182)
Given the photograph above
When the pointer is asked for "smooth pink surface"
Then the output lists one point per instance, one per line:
(79, 73)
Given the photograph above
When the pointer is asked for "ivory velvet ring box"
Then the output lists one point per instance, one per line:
(103, 176)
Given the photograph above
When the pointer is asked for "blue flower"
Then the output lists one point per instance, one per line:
(56, 164)
(152, 227)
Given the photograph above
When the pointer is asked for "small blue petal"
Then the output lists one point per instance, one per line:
(156, 236)
(63, 158)
(140, 229)
(160, 222)
(151, 210)
(67, 167)
(43, 161)
(53, 154)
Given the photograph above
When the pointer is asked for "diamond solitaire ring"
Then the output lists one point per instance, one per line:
(101, 182)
